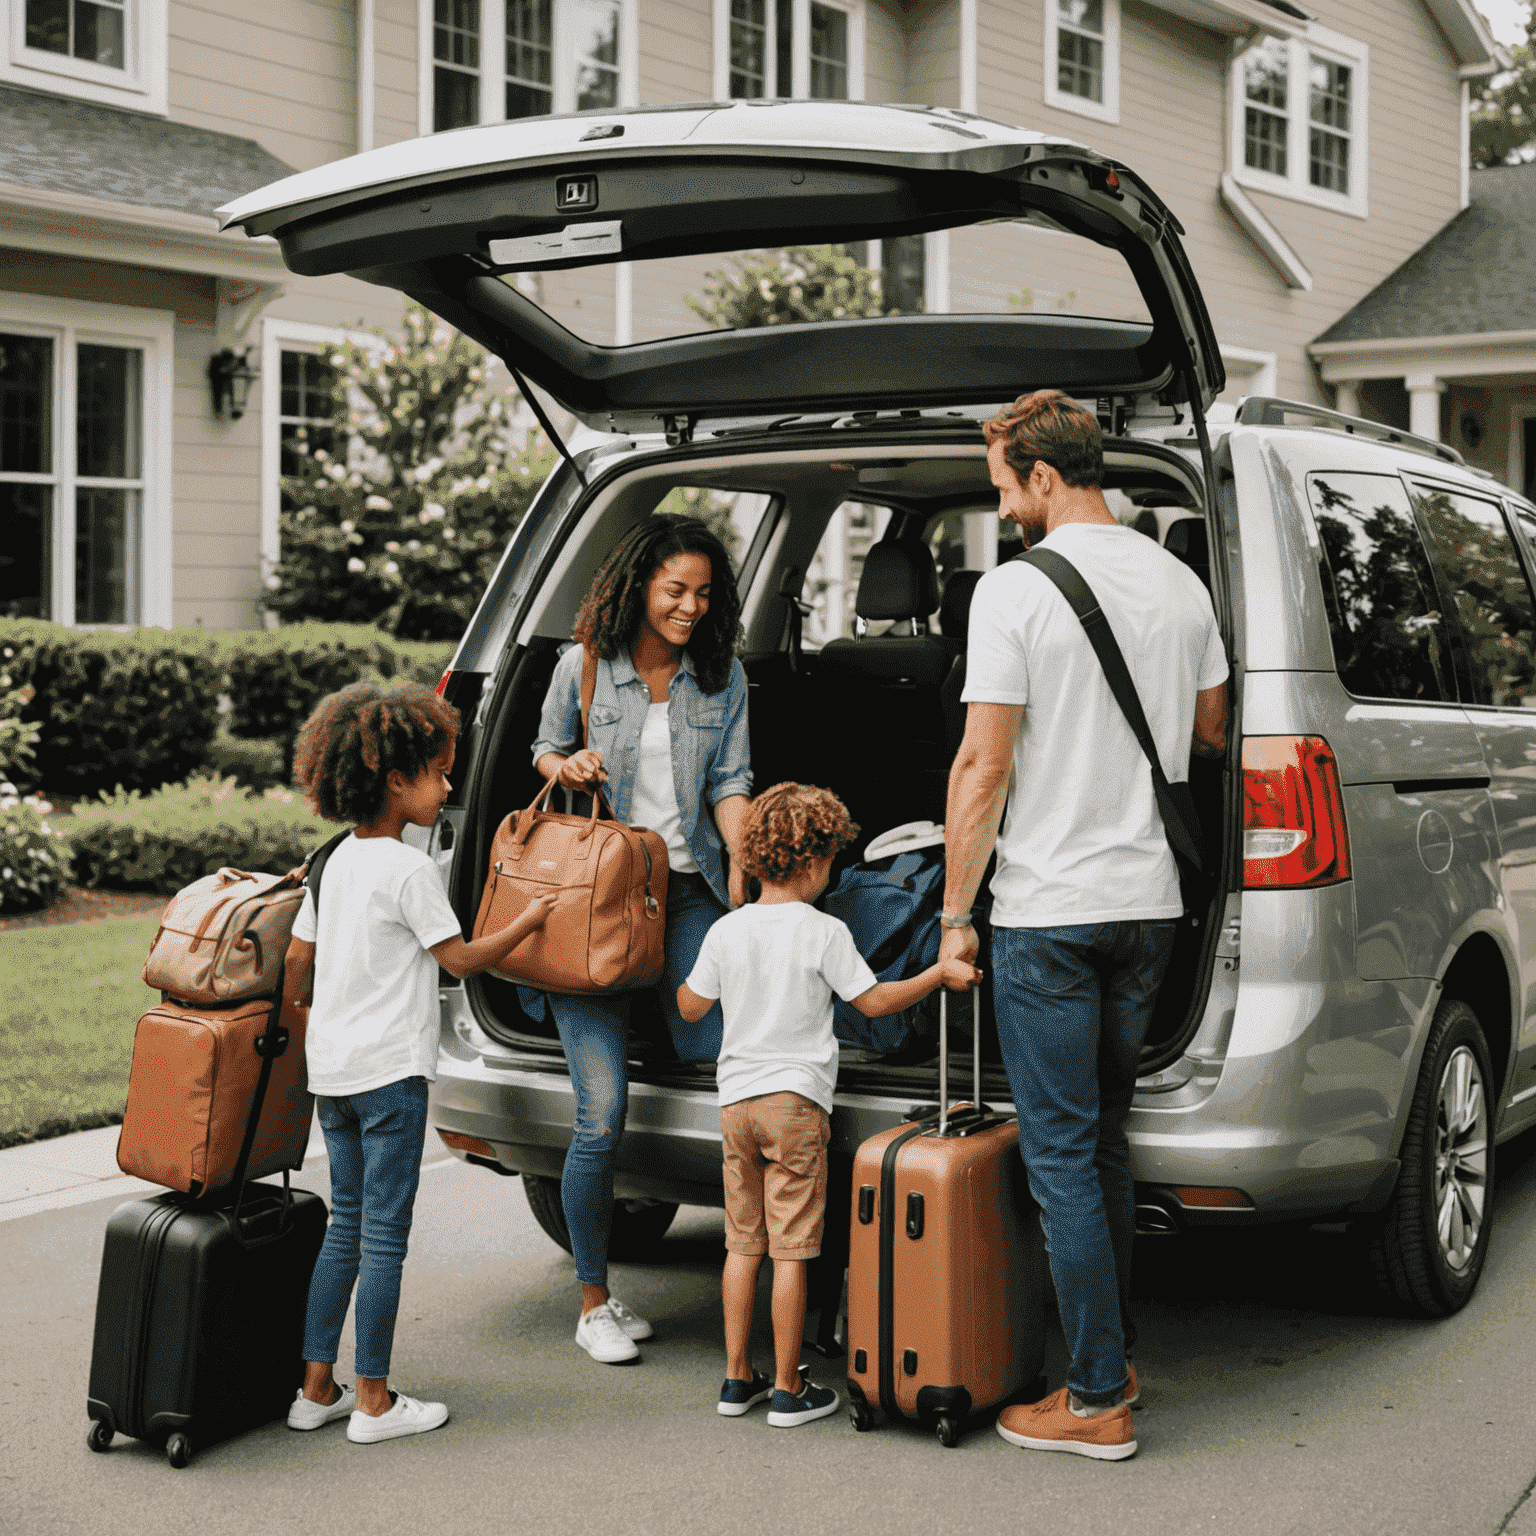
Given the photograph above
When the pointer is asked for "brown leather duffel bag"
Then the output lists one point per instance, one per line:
(610, 883)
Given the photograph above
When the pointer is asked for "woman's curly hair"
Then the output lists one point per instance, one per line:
(614, 608)
(791, 824)
(357, 737)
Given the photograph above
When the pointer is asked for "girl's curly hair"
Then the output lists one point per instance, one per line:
(357, 737)
(791, 824)
(614, 608)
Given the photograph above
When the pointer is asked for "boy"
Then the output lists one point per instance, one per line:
(774, 966)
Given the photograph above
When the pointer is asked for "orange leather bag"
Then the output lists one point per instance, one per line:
(609, 880)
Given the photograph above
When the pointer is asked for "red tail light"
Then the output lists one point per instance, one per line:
(442, 682)
(1294, 834)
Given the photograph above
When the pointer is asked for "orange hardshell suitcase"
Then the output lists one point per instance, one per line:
(946, 1267)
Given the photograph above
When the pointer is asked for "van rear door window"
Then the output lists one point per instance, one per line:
(1477, 556)
(732, 516)
(1389, 638)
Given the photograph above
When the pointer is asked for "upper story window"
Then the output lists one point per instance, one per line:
(1299, 119)
(112, 51)
(492, 60)
(786, 48)
(1082, 57)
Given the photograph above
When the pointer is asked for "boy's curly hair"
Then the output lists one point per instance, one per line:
(613, 610)
(791, 824)
(357, 737)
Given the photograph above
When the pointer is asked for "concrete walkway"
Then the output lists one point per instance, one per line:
(72, 1170)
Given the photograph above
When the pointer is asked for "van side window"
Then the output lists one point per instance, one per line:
(1477, 556)
(1389, 639)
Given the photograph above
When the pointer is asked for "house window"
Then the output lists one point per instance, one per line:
(306, 414)
(1300, 120)
(112, 51)
(774, 49)
(1082, 57)
(494, 60)
(74, 495)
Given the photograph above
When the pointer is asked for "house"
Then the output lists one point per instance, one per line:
(1309, 150)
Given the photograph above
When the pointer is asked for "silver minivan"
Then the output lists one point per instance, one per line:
(1343, 1035)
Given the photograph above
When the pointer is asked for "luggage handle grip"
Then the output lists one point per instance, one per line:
(944, 1056)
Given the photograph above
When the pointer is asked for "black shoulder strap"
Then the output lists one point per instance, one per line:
(1182, 829)
(314, 865)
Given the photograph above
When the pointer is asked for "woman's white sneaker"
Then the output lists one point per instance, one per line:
(600, 1334)
(303, 1414)
(634, 1326)
(406, 1416)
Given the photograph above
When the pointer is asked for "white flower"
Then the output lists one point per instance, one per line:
(6, 873)
(432, 511)
(354, 564)
(377, 504)
(392, 545)
(390, 568)
(448, 533)
(274, 582)
(337, 360)
(347, 525)
(483, 483)
(413, 543)
(336, 471)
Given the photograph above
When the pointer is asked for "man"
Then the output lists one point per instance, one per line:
(1086, 889)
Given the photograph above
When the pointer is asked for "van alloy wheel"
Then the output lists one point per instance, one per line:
(1429, 1244)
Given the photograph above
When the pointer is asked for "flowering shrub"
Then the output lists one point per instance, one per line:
(790, 287)
(18, 736)
(34, 863)
(404, 525)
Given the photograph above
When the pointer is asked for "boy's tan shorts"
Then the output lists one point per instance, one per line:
(775, 1175)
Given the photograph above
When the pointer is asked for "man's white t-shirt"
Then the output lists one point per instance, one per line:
(653, 802)
(774, 969)
(1082, 841)
(374, 1019)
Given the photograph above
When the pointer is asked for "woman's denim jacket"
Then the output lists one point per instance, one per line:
(710, 757)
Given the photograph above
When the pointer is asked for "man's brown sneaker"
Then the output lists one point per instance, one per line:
(1050, 1425)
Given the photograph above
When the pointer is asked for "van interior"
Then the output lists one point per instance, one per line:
(876, 717)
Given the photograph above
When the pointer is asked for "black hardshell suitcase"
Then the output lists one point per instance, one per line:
(200, 1317)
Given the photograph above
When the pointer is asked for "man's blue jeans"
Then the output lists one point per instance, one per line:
(374, 1141)
(595, 1032)
(1073, 1005)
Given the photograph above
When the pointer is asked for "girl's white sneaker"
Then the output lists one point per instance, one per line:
(600, 1335)
(634, 1326)
(406, 1416)
(303, 1414)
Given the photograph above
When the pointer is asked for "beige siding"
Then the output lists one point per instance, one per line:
(885, 52)
(396, 41)
(676, 51)
(282, 72)
(933, 52)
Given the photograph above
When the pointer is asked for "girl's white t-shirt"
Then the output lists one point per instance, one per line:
(374, 1019)
(654, 802)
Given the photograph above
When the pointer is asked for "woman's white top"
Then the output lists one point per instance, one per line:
(655, 799)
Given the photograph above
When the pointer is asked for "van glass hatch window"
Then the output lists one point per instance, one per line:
(1477, 556)
(1389, 639)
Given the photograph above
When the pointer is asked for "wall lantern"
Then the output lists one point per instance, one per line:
(230, 375)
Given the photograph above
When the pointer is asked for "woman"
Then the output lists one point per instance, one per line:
(667, 734)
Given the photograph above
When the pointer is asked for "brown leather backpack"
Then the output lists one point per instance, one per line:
(610, 882)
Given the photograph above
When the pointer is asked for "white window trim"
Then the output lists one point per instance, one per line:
(493, 50)
(142, 85)
(800, 63)
(1261, 370)
(1106, 111)
(1342, 50)
(152, 331)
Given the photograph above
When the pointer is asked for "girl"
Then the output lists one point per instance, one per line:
(668, 735)
(379, 758)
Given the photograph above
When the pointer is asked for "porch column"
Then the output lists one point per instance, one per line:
(1346, 397)
(1424, 391)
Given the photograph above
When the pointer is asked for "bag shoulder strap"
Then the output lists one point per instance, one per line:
(588, 687)
(314, 865)
(1183, 837)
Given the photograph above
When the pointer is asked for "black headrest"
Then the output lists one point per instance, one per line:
(899, 581)
(1187, 539)
(955, 610)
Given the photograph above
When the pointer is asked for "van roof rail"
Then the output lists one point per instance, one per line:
(1271, 411)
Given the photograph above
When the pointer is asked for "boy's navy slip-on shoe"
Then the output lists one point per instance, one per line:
(811, 1402)
(737, 1396)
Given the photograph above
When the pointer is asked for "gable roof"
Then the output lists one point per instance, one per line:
(1476, 277)
(54, 144)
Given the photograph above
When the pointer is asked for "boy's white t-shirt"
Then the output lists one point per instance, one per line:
(374, 1019)
(1082, 841)
(774, 969)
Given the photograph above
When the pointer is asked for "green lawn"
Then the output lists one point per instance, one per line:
(69, 999)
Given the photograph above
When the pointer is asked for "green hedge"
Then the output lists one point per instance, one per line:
(165, 840)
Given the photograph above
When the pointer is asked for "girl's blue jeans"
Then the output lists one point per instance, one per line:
(594, 1032)
(374, 1140)
(1073, 1005)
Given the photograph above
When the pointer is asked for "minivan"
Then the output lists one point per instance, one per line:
(1343, 1036)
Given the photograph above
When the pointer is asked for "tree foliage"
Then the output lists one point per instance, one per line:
(1504, 111)
(403, 524)
(790, 287)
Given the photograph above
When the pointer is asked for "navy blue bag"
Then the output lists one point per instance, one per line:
(892, 909)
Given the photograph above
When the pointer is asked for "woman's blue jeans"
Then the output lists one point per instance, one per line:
(1073, 1005)
(374, 1141)
(595, 1033)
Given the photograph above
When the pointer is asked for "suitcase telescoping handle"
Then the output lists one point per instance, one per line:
(944, 1056)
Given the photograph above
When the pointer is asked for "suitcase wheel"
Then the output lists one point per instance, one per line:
(99, 1436)
(948, 1431)
(178, 1449)
(860, 1415)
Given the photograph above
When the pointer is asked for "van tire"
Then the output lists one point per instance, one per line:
(1447, 1160)
(638, 1225)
